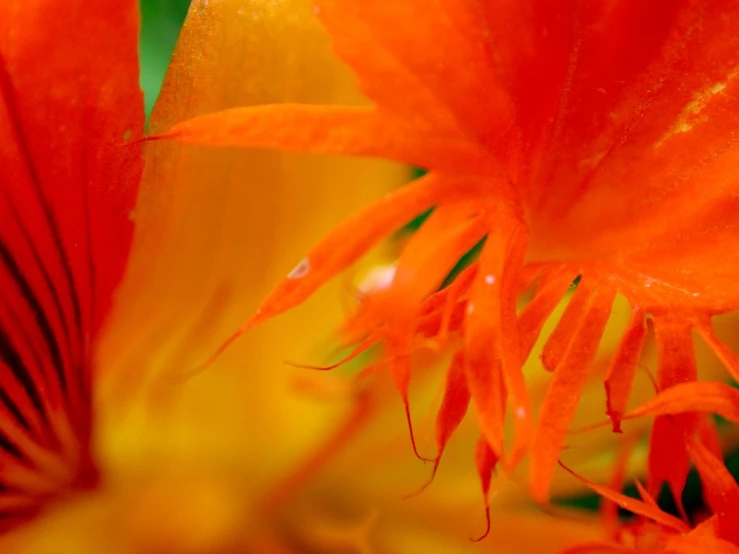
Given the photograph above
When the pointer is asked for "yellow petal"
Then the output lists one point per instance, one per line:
(216, 228)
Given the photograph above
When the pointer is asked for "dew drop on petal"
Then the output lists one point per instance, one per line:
(490, 279)
(300, 270)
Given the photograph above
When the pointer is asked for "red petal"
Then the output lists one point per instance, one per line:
(597, 548)
(668, 460)
(553, 287)
(493, 348)
(645, 496)
(68, 182)
(567, 327)
(485, 460)
(452, 411)
(621, 372)
(564, 393)
(453, 405)
(675, 352)
(659, 119)
(719, 488)
(708, 435)
(609, 510)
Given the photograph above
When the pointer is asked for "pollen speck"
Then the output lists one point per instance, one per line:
(690, 115)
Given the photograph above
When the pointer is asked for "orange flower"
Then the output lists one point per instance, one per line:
(655, 531)
(589, 139)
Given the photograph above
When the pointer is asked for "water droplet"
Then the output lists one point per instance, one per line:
(379, 278)
(490, 279)
(470, 308)
(300, 270)
(520, 412)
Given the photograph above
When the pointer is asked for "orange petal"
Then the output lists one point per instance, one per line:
(699, 545)
(633, 505)
(423, 61)
(448, 233)
(715, 398)
(503, 264)
(487, 389)
(644, 494)
(345, 244)
(351, 239)
(443, 312)
(356, 131)
(729, 358)
(564, 392)
(399, 344)
(701, 539)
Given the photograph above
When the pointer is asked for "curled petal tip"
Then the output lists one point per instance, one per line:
(487, 526)
(428, 482)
